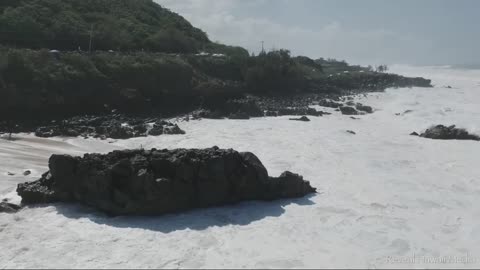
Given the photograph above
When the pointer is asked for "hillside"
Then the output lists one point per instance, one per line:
(144, 59)
(115, 25)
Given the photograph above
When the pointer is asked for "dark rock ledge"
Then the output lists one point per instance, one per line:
(441, 132)
(155, 182)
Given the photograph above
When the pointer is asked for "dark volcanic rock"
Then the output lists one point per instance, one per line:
(9, 207)
(414, 134)
(441, 132)
(351, 132)
(347, 110)
(27, 172)
(271, 113)
(299, 111)
(153, 182)
(108, 126)
(244, 107)
(303, 118)
(330, 104)
(164, 127)
(364, 108)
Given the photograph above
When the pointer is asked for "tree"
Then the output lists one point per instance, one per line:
(273, 71)
(382, 68)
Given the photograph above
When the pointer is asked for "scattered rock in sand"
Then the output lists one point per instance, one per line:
(364, 108)
(354, 118)
(351, 132)
(441, 132)
(10, 174)
(414, 134)
(154, 182)
(27, 172)
(303, 118)
(10, 208)
(347, 110)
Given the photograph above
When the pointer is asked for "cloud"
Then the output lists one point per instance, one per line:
(218, 19)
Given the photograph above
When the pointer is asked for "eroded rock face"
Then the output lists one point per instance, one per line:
(154, 182)
(441, 132)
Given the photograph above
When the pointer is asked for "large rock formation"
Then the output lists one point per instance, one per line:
(154, 182)
(441, 132)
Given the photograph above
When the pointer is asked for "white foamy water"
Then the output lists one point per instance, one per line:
(385, 199)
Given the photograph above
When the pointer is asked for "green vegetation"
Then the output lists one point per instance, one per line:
(274, 71)
(117, 25)
(159, 61)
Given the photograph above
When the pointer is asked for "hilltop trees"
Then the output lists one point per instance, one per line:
(117, 25)
(382, 68)
(274, 71)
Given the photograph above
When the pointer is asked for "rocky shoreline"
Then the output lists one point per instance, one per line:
(122, 126)
(155, 182)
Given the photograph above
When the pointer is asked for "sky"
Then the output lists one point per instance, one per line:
(416, 32)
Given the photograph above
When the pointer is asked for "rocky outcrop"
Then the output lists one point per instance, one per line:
(154, 182)
(329, 103)
(441, 132)
(303, 119)
(364, 108)
(299, 111)
(6, 207)
(108, 126)
(347, 110)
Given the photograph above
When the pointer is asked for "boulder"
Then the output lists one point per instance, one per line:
(347, 110)
(27, 172)
(155, 182)
(6, 207)
(414, 134)
(364, 108)
(351, 132)
(303, 118)
(441, 132)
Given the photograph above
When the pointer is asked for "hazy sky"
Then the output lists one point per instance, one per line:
(423, 32)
